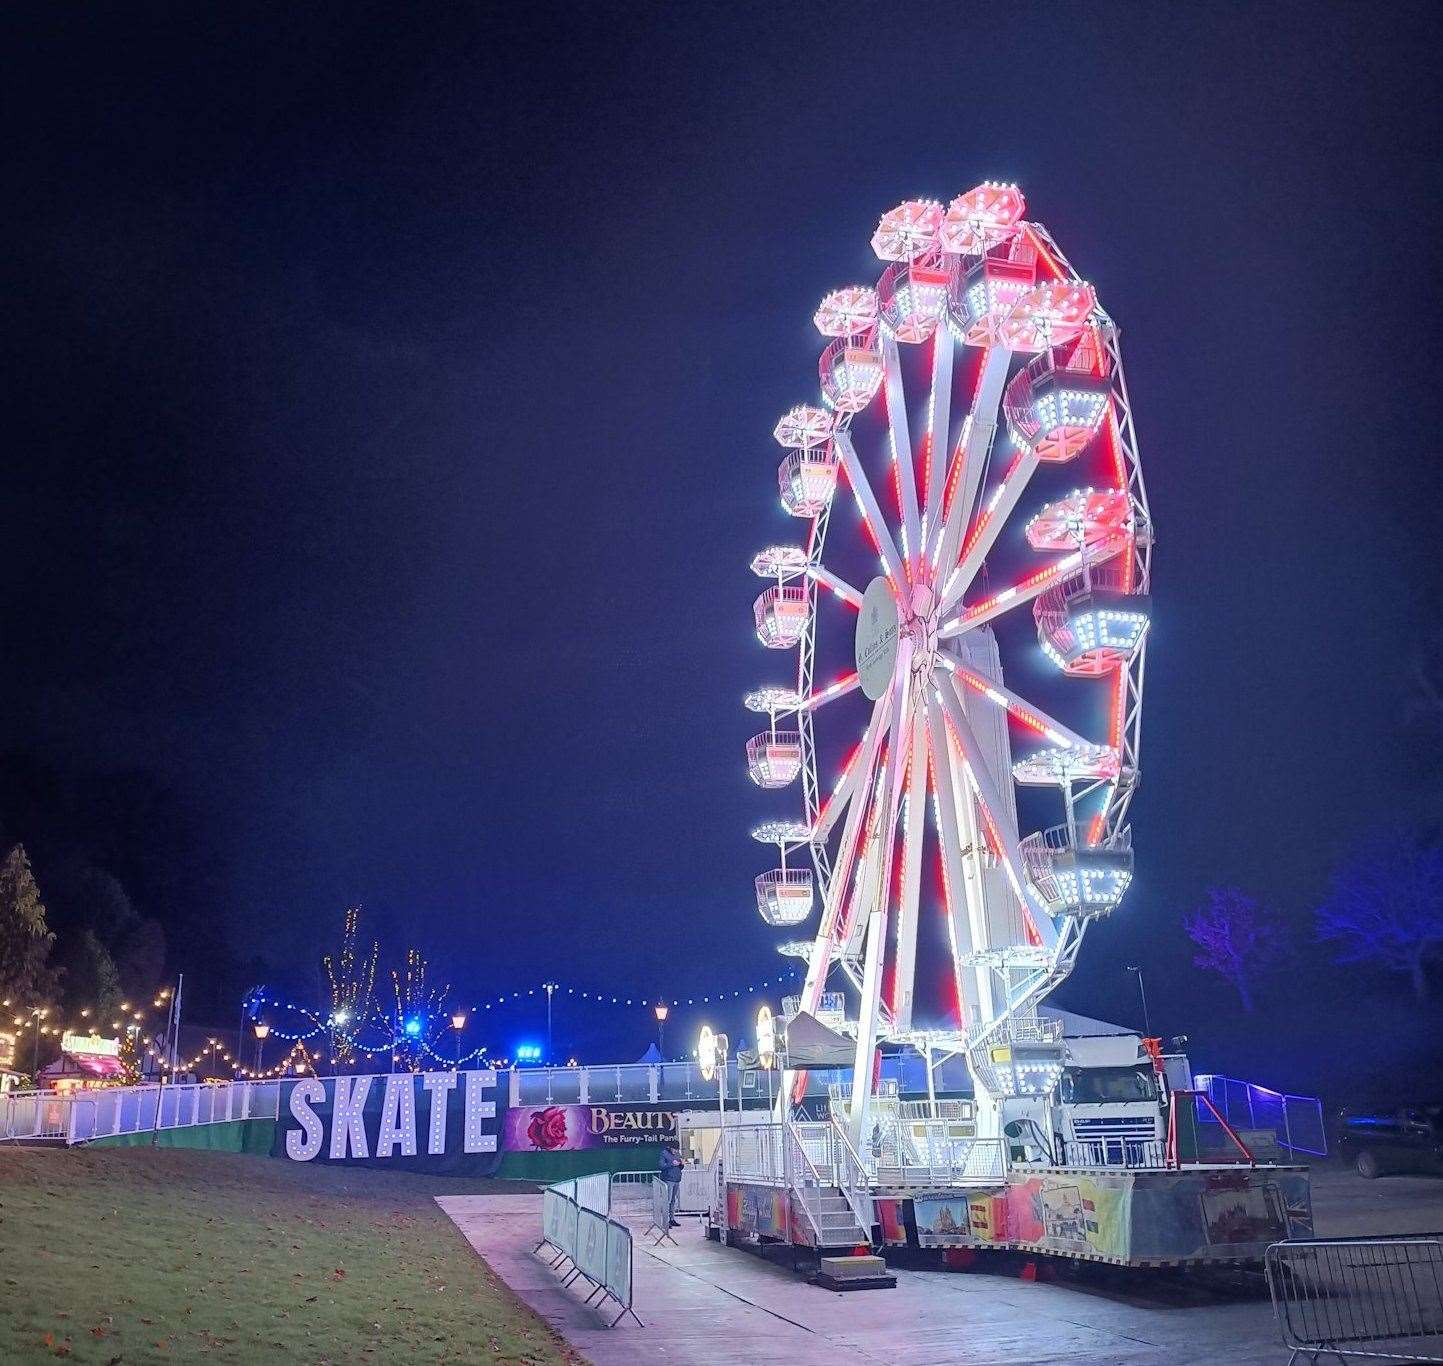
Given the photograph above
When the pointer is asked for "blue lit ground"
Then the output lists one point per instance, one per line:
(703, 1303)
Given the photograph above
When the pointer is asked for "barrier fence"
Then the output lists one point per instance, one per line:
(80, 1116)
(598, 1247)
(1296, 1120)
(1359, 1297)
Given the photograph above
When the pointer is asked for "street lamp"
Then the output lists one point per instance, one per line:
(1142, 992)
(662, 1010)
(550, 989)
(39, 1015)
(262, 1030)
(458, 1023)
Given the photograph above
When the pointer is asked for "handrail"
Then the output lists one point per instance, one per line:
(795, 1158)
(854, 1181)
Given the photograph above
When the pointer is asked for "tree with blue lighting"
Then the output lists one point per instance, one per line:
(1385, 906)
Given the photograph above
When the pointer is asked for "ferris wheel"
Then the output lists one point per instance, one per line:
(973, 563)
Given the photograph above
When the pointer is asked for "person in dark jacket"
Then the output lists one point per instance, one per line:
(670, 1172)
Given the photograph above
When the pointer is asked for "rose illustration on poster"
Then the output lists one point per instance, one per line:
(574, 1128)
(546, 1130)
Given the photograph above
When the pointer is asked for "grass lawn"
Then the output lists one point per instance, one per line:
(153, 1254)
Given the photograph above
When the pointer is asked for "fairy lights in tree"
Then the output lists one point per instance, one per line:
(352, 983)
(418, 1007)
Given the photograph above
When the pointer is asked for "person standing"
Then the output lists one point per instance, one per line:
(670, 1173)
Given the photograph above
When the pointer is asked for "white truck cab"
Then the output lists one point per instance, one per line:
(1109, 1105)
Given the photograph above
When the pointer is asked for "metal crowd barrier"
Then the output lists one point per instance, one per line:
(631, 1190)
(1359, 1297)
(597, 1246)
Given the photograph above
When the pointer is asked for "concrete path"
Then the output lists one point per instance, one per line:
(705, 1303)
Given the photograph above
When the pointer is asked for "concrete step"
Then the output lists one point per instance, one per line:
(854, 1273)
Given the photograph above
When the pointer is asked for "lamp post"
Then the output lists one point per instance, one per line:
(262, 1030)
(662, 1010)
(1142, 992)
(550, 989)
(458, 1023)
(38, 1015)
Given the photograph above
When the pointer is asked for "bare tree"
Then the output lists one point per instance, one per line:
(1236, 938)
(1385, 906)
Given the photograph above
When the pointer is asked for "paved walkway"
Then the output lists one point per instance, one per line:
(705, 1303)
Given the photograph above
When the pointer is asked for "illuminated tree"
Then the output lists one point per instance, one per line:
(1385, 906)
(419, 1011)
(352, 982)
(1236, 938)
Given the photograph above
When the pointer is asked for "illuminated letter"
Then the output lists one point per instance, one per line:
(473, 1140)
(440, 1085)
(348, 1128)
(398, 1117)
(304, 1143)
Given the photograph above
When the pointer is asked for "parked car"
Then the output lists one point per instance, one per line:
(1408, 1139)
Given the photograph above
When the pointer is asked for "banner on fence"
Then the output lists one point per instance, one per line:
(576, 1128)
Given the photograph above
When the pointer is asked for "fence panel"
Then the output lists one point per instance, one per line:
(618, 1279)
(594, 1192)
(1363, 1297)
(591, 1245)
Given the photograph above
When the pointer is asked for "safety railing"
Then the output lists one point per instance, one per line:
(683, 1081)
(103, 1112)
(931, 1153)
(1359, 1297)
(1115, 1151)
(1296, 1120)
(598, 1247)
(754, 1152)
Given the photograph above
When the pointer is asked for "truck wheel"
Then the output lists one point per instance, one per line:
(1367, 1165)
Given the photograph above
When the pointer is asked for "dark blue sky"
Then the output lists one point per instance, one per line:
(390, 391)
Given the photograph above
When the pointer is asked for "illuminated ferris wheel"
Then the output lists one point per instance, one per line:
(973, 567)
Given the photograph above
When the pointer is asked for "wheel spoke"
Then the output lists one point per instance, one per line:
(964, 923)
(1033, 586)
(888, 803)
(837, 584)
(916, 824)
(971, 459)
(859, 781)
(899, 437)
(1033, 717)
(988, 526)
(987, 792)
(871, 511)
(850, 683)
(939, 427)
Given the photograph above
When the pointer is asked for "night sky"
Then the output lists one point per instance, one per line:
(389, 398)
